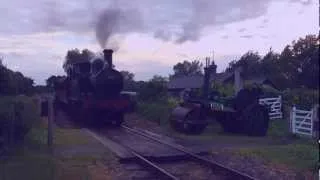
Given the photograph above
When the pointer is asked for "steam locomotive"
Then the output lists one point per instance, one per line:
(91, 92)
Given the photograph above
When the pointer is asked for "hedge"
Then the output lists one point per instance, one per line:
(17, 116)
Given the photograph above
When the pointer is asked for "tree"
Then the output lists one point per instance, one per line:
(187, 68)
(128, 80)
(13, 83)
(154, 89)
(249, 62)
(295, 67)
(127, 76)
(51, 81)
(74, 56)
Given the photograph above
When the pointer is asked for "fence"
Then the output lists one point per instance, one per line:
(303, 122)
(274, 105)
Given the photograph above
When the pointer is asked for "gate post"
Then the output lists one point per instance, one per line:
(50, 123)
(292, 119)
(315, 121)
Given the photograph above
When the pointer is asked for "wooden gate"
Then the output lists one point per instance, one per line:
(302, 121)
(274, 105)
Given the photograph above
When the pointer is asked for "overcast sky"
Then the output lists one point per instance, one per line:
(150, 36)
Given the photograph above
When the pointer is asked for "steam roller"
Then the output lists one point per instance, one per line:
(240, 114)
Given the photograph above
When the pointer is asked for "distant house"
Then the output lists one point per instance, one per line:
(178, 84)
(185, 82)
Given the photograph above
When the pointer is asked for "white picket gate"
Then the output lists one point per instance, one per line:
(274, 105)
(301, 121)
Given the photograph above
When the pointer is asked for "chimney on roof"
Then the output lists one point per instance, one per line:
(238, 81)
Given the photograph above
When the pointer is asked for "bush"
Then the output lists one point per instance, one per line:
(302, 98)
(158, 111)
(17, 116)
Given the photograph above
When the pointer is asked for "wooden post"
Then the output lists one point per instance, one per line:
(12, 126)
(292, 119)
(50, 123)
(315, 121)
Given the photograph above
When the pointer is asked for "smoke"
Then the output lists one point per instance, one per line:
(115, 21)
(108, 21)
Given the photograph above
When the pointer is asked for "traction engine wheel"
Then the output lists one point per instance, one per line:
(187, 120)
(192, 128)
(256, 120)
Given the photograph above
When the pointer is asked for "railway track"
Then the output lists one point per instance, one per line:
(227, 172)
(150, 165)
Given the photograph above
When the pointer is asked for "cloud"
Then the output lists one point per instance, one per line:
(225, 37)
(246, 36)
(242, 30)
(179, 21)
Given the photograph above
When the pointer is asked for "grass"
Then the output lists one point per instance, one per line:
(71, 137)
(33, 161)
(300, 155)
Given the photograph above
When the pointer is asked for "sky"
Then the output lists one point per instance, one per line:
(149, 36)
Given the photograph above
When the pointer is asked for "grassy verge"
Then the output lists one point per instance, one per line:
(278, 147)
(33, 160)
(30, 161)
(300, 155)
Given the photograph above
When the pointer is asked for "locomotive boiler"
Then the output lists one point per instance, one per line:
(91, 92)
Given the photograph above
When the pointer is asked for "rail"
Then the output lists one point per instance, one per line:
(215, 165)
(140, 157)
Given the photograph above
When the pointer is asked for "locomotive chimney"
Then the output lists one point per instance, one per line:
(107, 53)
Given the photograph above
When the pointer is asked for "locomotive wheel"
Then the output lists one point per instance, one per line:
(256, 120)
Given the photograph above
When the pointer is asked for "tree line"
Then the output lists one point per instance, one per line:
(296, 66)
(14, 83)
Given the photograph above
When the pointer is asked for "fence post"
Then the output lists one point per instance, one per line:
(50, 123)
(292, 117)
(315, 121)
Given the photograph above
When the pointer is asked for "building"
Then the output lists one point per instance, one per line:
(177, 85)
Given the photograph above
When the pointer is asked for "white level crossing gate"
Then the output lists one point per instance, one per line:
(274, 105)
(302, 121)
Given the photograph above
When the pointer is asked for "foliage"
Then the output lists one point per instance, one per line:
(75, 55)
(13, 83)
(128, 80)
(223, 89)
(17, 114)
(297, 66)
(302, 98)
(158, 111)
(187, 68)
(51, 81)
(154, 89)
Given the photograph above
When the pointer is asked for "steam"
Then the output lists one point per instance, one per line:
(114, 21)
(107, 23)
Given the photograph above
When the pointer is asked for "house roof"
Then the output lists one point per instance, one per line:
(196, 81)
(183, 82)
(261, 80)
(222, 77)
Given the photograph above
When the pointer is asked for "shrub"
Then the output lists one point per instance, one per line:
(158, 111)
(17, 116)
(302, 98)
